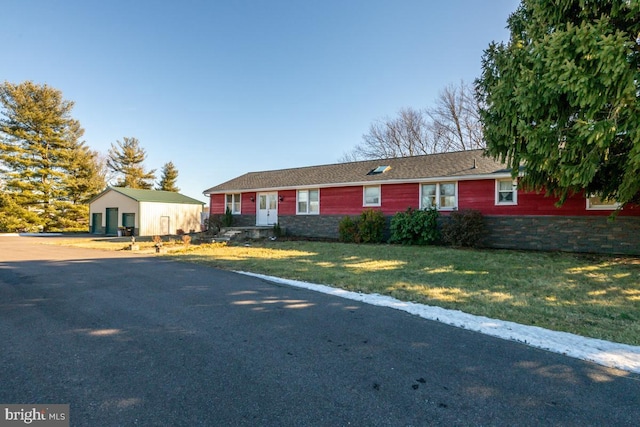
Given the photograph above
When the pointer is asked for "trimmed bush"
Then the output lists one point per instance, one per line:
(415, 227)
(367, 228)
(371, 226)
(464, 228)
(348, 230)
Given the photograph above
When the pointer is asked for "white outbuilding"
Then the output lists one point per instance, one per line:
(129, 211)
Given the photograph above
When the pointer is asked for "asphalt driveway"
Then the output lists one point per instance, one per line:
(128, 340)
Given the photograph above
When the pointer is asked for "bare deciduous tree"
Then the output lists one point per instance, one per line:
(455, 120)
(451, 125)
(405, 135)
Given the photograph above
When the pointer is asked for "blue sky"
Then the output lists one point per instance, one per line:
(221, 88)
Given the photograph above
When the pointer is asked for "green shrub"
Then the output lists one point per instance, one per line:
(348, 230)
(371, 226)
(214, 223)
(277, 230)
(464, 228)
(227, 220)
(415, 227)
(366, 228)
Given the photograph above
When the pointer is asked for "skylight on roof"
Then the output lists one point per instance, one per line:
(379, 170)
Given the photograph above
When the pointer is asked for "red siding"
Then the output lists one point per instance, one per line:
(478, 194)
(248, 207)
(287, 206)
(398, 197)
(341, 201)
(349, 200)
(216, 204)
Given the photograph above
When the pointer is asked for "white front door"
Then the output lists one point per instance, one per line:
(267, 209)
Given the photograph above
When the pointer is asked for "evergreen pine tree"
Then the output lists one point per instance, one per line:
(562, 97)
(126, 160)
(168, 178)
(39, 144)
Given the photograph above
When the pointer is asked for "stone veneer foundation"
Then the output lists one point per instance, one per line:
(591, 234)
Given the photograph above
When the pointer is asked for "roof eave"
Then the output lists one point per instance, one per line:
(106, 190)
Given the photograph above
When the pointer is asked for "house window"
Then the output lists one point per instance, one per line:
(233, 203)
(506, 192)
(429, 196)
(372, 195)
(309, 202)
(439, 195)
(447, 195)
(595, 203)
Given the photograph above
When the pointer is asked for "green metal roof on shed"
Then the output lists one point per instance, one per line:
(156, 196)
(443, 165)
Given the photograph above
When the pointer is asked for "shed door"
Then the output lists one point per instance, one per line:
(112, 221)
(96, 223)
(128, 220)
(164, 225)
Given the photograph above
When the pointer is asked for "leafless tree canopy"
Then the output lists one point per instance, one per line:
(405, 135)
(455, 120)
(451, 125)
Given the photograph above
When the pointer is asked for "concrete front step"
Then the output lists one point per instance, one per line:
(243, 233)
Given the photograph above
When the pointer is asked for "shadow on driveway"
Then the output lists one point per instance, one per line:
(143, 340)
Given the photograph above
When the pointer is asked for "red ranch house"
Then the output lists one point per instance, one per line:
(310, 201)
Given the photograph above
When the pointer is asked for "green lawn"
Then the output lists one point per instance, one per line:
(594, 296)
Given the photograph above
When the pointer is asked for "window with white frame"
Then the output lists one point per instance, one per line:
(506, 192)
(439, 195)
(233, 203)
(371, 195)
(595, 203)
(309, 202)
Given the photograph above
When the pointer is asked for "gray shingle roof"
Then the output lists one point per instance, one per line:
(153, 196)
(442, 165)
